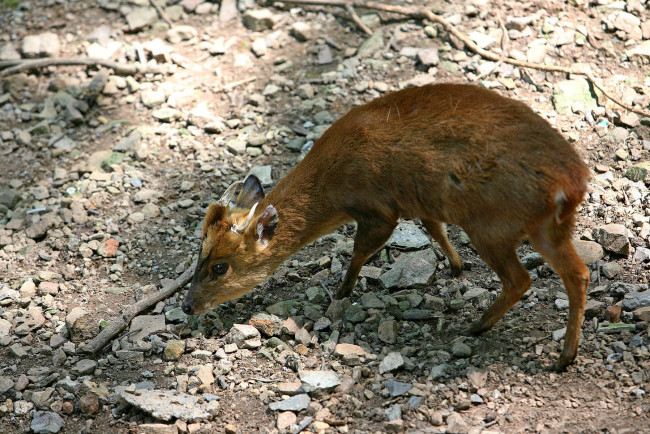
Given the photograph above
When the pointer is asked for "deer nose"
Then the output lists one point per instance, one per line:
(188, 308)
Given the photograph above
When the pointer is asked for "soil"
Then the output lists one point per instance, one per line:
(521, 394)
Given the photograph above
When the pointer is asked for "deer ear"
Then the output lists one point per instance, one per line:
(251, 193)
(267, 225)
(216, 213)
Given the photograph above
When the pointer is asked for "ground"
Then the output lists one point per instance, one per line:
(102, 196)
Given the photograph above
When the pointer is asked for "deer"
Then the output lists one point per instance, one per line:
(443, 153)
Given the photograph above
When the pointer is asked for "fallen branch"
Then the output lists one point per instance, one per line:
(14, 66)
(424, 14)
(124, 318)
(161, 13)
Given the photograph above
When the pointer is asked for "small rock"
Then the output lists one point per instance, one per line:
(456, 424)
(391, 362)
(397, 388)
(89, 404)
(244, 336)
(461, 349)
(258, 20)
(302, 31)
(613, 237)
(174, 349)
(286, 419)
(295, 403)
(388, 331)
(46, 422)
(589, 251)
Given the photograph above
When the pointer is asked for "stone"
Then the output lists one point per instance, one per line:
(267, 324)
(8, 52)
(9, 197)
(391, 362)
(397, 388)
(152, 98)
(388, 331)
(141, 17)
(456, 424)
(157, 428)
(46, 422)
(568, 93)
(411, 270)
(321, 380)
(408, 236)
(642, 314)
(259, 47)
(181, 33)
(258, 20)
(589, 251)
(461, 349)
(190, 5)
(5, 327)
(343, 350)
(613, 237)
(228, 10)
(638, 172)
(43, 45)
(174, 349)
(236, 146)
(302, 31)
(294, 403)
(286, 419)
(6, 384)
(372, 44)
(594, 308)
(636, 300)
(641, 50)
(89, 404)
(244, 336)
(81, 325)
(168, 404)
(204, 373)
(428, 57)
(166, 114)
(477, 376)
(84, 367)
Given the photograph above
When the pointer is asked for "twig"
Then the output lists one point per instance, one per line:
(424, 14)
(236, 83)
(161, 12)
(14, 66)
(125, 317)
(357, 20)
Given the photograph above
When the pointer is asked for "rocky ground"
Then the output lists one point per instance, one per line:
(105, 179)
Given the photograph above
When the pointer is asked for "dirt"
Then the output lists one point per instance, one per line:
(520, 394)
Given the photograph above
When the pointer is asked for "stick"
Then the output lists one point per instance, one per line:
(14, 66)
(358, 21)
(161, 12)
(124, 318)
(234, 84)
(423, 14)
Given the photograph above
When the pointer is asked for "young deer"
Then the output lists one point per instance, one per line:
(447, 153)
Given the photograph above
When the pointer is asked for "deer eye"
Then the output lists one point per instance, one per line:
(220, 269)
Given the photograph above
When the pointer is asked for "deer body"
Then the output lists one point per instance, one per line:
(442, 153)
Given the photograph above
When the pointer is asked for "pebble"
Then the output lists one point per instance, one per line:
(391, 362)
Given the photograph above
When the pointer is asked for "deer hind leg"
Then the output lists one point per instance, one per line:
(371, 236)
(502, 258)
(553, 242)
(438, 232)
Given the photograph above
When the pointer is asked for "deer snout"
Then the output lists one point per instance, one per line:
(188, 306)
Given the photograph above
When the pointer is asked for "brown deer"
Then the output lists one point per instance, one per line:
(446, 153)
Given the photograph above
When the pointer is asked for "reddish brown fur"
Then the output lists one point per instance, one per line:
(443, 153)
